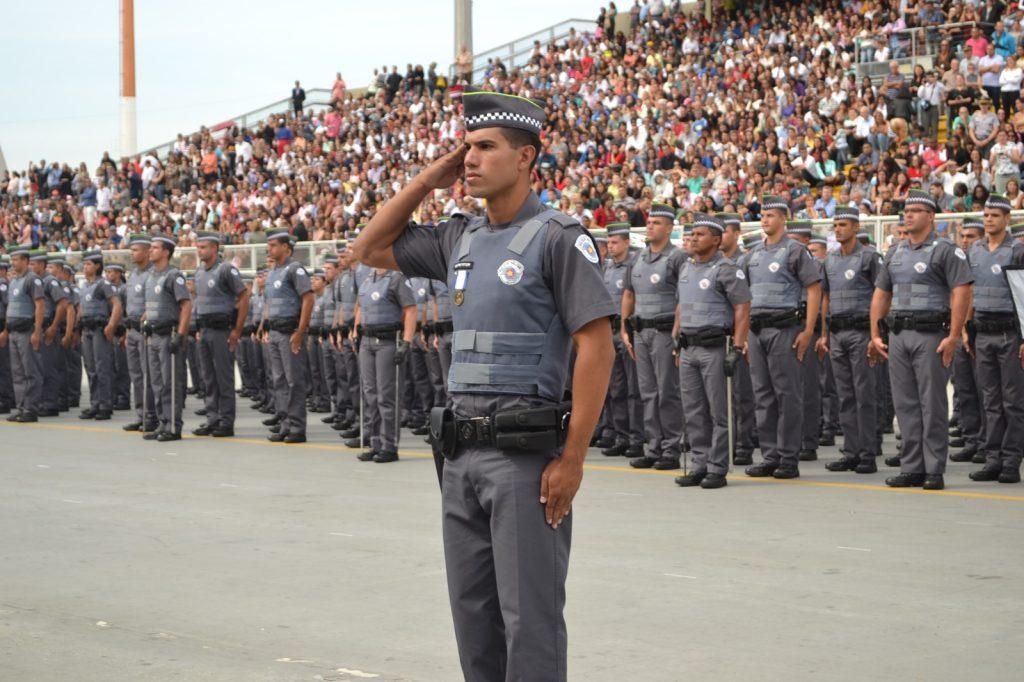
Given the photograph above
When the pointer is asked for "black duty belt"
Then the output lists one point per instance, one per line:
(248, 330)
(780, 320)
(221, 322)
(315, 331)
(616, 321)
(380, 331)
(283, 326)
(531, 429)
(704, 338)
(995, 325)
(662, 323)
(21, 324)
(93, 323)
(444, 327)
(920, 322)
(133, 324)
(839, 323)
(158, 328)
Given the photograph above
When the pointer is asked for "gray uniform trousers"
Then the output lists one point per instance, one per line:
(702, 382)
(193, 364)
(506, 567)
(142, 389)
(857, 391)
(968, 399)
(346, 381)
(659, 390)
(829, 397)
(778, 393)
(919, 395)
(51, 363)
(437, 380)
(74, 368)
(377, 372)
(6, 386)
(243, 359)
(317, 383)
(811, 372)
(885, 411)
(98, 355)
(1001, 381)
(122, 386)
(217, 366)
(419, 377)
(289, 379)
(623, 415)
(160, 377)
(329, 365)
(744, 411)
(26, 373)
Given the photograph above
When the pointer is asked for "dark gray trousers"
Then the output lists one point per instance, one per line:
(377, 371)
(777, 380)
(857, 391)
(829, 397)
(623, 415)
(968, 399)
(142, 389)
(744, 411)
(658, 380)
(919, 394)
(6, 386)
(161, 366)
(217, 367)
(702, 382)
(1001, 381)
(290, 380)
(26, 373)
(51, 362)
(98, 355)
(811, 372)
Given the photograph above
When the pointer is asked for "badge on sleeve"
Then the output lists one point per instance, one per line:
(740, 274)
(585, 245)
(960, 253)
(300, 271)
(180, 281)
(461, 275)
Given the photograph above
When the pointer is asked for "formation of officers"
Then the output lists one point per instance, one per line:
(733, 343)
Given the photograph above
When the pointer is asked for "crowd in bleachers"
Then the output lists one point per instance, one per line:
(654, 103)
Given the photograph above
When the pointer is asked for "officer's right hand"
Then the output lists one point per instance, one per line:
(802, 342)
(445, 171)
(296, 340)
(175, 343)
(628, 345)
(35, 339)
(821, 347)
(967, 343)
(49, 335)
(946, 349)
(877, 350)
(4, 335)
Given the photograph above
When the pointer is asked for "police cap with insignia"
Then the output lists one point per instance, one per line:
(998, 201)
(973, 224)
(919, 197)
(714, 223)
(5, 262)
(483, 109)
(599, 235)
(116, 267)
(55, 259)
(319, 272)
(846, 213)
(93, 257)
(165, 239)
(801, 227)
(139, 238)
(729, 219)
(662, 211)
(771, 202)
(22, 251)
(37, 255)
(281, 235)
(618, 229)
(208, 236)
(818, 238)
(1017, 230)
(331, 258)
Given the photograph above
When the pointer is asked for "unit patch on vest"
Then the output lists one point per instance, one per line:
(277, 284)
(511, 271)
(375, 295)
(996, 269)
(210, 283)
(158, 288)
(848, 274)
(655, 278)
(920, 267)
(618, 284)
(88, 297)
(300, 271)
(586, 246)
(704, 283)
(138, 287)
(774, 266)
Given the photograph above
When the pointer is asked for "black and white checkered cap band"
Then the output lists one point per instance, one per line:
(661, 213)
(998, 201)
(709, 222)
(481, 120)
(280, 234)
(778, 204)
(846, 213)
(921, 201)
(19, 252)
(973, 224)
(164, 239)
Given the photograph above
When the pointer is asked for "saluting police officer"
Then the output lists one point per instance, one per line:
(778, 271)
(714, 305)
(24, 334)
(650, 293)
(136, 349)
(99, 313)
(168, 311)
(7, 401)
(54, 313)
(997, 346)
(527, 287)
(288, 309)
(221, 307)
(846, 306)
(926, 281)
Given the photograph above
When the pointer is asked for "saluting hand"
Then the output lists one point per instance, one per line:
(445, 171)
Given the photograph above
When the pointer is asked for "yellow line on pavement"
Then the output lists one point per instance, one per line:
(409, 454)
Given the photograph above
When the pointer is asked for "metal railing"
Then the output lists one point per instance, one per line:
(517, 52)
(316, 99)
(911, 46)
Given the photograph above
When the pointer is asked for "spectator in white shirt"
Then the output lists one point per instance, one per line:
(1009, 85)
(1004, 159)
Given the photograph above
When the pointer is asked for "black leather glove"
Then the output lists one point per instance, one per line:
(175, 344)
(401, 351)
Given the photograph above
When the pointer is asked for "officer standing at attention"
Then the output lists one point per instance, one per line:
(197, 388)
(72, 342)
(650, 293)
(442, 307)
(135, 345)
(55, 268)
(288, 309)
(328, 351)
(418, 386)
(526, 289)
(121, 386)
(851, 273)
(997, 345)
(55, 312)
(387, 308)
(926, 281)
(345, 320)
(23, 334)
(99, 314)
(714, 305)
(6, 387)
(319, 395)
(778, 271)
(222, 303)
(168, 311)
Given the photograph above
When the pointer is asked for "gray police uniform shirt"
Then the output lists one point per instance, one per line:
(708, 293)
(96, 300)
(443, 297)
(652, 278)
(165, 291)
(920, 276)
(135, 293)
(285, 288)
(538, 293)
(382, 298)
(778, 274)
(22, 294)
(992, 296)
(851, 280)
(217, 289)
(345, 285)
(53, 293)
(616, 278)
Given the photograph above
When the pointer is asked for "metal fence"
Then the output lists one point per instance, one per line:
(517, 52)
(911, 46)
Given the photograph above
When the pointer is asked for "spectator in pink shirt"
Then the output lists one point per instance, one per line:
(977, 43)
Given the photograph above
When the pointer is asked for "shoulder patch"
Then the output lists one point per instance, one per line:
(585, 245)
(740, 274)
(234, 271)
(300, 270)
(960, 253)
(180, 280)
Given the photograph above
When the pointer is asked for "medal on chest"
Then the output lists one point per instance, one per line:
(461, 276)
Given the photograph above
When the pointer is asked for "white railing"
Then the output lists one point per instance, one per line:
(517, 52)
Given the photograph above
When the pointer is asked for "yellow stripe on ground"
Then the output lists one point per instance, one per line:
(741, 480)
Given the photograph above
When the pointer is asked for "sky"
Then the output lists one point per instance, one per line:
(203, 62)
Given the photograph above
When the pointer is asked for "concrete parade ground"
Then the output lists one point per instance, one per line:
(239, 559)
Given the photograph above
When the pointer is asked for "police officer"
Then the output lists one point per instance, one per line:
(168, 311)
(387, 308)
(288, 309)
(650, 293)
(851, 273)
(526, 286)
(319, 394)
(99, 313)
(417, 376)
(72, 342)
(189, 347)
(328, 335)
(264, 401)
(623, 410)
(6, 387)
(54, 313)
(221, 307)
(779, 270)
(24, 335)
(714, 305)
(121, 386)
(135, 342)
(244, 357)
(926, 281)
(743, 389)
(997, 345)
(55, 268)
(348, 370)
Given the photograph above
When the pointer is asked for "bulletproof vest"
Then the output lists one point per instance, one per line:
(421, 292)
(135, 297)
(255, 308)
(347, 295)
(95, 301)
(330, 303)
(701, 303)
(850, 290)
(991, 291)
(615, 279)
(375, 306)
(653, 295)
(444, 301)
(772, 284)
(916, 285)
(316, 316)
(283, 301)
(161, 305)
(508, 335)
(212, 295)
(20, 304)
(73, 293)
(51, 294)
